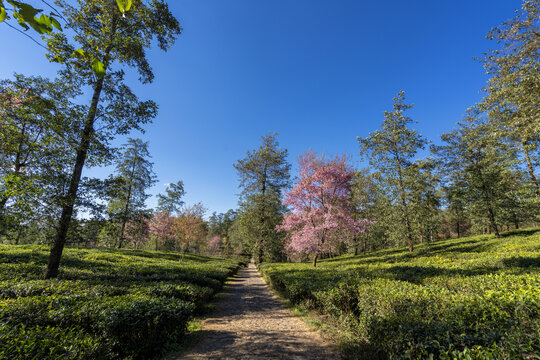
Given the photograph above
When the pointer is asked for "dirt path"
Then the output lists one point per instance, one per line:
(250, 323)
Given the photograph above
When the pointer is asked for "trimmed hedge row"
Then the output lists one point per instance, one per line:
(106, 304)
(474, 298)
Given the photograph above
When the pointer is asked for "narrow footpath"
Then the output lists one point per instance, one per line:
(251, 323)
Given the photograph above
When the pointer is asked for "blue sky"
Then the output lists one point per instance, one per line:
(319, 73)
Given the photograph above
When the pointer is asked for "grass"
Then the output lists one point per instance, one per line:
(471, 298)
(114, 304)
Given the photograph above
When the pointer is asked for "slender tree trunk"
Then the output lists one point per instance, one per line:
(315, 260)
(126, 209)
(69, 200)
(404, 207)
(364, 250)
(458, 230)
(260, 250)
(530, 168)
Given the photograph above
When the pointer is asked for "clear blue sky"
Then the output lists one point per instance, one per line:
(319, 73)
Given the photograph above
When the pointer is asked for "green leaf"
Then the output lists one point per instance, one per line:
(2, 13)
(98, 68)
(55, 23)
(28, 12)
(43, 23)
(79, 53)
(123, 5)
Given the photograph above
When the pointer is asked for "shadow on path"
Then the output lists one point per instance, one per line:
(250, 323)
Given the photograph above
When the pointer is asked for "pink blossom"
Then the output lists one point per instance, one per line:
(321, 206)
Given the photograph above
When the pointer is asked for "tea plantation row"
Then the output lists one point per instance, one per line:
(106, 304)
(473, 298)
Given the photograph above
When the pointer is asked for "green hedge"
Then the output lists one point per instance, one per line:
(106, 304)
(474, 298)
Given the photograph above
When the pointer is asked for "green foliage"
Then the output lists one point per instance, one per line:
(26, 16)
(105, 304)
(264, 174)
(474, 298)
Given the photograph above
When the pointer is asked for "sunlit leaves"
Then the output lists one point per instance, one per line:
(123, 5)
(2, 12)
(97, 66)
(26, 16)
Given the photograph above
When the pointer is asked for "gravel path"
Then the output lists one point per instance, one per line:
(250, 323)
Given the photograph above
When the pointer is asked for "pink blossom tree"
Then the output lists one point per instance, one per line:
(162, 228)
(214, 244)
(322, 214)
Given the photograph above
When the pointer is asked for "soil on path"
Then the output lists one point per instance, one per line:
(251, 323)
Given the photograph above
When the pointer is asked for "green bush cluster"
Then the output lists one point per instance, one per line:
(473, 298)
(106, 304)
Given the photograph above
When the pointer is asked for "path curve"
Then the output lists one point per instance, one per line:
(251, 323)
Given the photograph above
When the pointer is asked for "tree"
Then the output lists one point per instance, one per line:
(475, 161)
(172, 201)
(219, 226)
(215, 244)
(190, 226)
(137, 230)
(33, 138)
(161, 228)
(426, 200)
(264, 174)
(321, 205)
(136, 175)
(513, 91)
(106, 36)
(370, 202)
(391, 151)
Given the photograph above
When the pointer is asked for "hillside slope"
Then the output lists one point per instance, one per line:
(470, 298)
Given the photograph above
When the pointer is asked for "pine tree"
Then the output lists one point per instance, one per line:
(264, 174)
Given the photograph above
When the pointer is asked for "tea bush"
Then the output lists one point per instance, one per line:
(106, 304)
(472, 298)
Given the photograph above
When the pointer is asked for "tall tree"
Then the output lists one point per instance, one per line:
(104, 37)
(322, 211)
(264, 174)
(135, 170)
(391, 150)
(513, 91)
(171, 201)
(33, 135)
(474, 159)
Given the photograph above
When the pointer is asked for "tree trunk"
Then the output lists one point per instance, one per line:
(364, 250)
(404, 205)
(315, 260)
(67, 209)
(530, 168)
(458, 230)
(126, 210)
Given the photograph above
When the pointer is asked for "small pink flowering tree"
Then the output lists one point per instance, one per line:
(322, 214)
(162, 229)
(214, 244)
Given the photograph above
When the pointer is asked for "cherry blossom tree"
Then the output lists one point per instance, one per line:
(162, 229)
(322, 213)
(214, 244)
